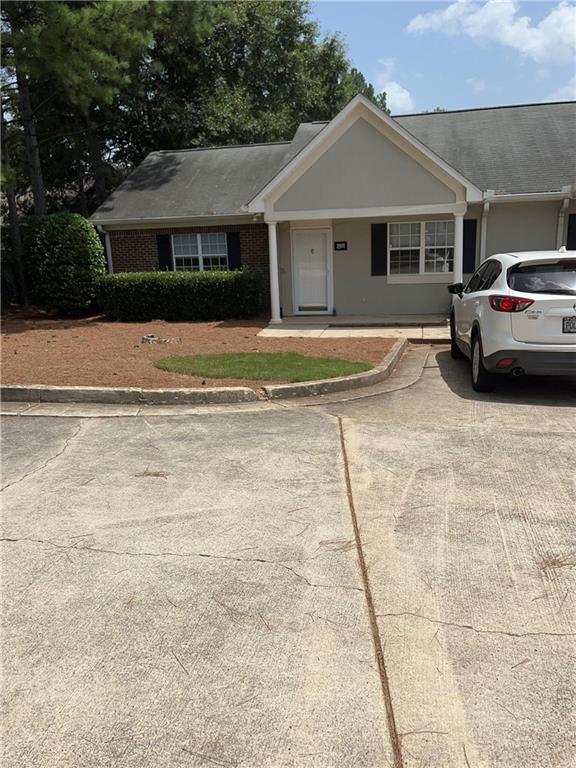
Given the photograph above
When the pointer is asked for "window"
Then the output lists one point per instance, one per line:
(421, 247)
(484, 277)
(200, 253)
(559, 278)
(477, 278)
(439, 246)
(404, 249)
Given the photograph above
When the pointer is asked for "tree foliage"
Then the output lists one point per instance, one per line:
(92, 86)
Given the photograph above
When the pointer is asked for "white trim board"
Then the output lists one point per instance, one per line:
(368, 213)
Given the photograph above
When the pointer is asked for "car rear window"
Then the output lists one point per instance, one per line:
(559, 277)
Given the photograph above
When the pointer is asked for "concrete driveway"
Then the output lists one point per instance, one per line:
(186, 590)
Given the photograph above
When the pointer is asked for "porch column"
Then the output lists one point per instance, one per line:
(458, 247)
(274, 282)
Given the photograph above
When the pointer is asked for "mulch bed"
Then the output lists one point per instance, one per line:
(92, 352)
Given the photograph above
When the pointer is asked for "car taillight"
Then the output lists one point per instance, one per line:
(510, 303)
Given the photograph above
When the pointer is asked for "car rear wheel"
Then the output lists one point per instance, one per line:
(455, 350)
(482, 380)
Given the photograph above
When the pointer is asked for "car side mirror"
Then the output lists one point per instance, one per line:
(456, 288)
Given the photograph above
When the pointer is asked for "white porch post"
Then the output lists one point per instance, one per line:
(458, 247)
(274, 282)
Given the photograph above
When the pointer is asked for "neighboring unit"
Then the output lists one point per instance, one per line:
(366, 215)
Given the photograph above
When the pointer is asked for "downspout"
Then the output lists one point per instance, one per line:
(107, 248)
(562, 217)
(484, 224)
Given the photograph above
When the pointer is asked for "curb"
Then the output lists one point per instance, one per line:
(37, 393)
(325, 386)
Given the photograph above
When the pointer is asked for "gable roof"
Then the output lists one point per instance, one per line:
(512, 150)
(361, 107)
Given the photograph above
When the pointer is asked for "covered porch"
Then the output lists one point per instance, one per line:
(387, 271)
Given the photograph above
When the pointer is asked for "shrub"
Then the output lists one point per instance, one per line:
(64, 261)
(181, 296)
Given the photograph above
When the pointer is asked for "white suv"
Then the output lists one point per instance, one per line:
(517, 315)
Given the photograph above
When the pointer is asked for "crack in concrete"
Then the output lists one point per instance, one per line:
(474, 629)
(45, 464)
(127, 553)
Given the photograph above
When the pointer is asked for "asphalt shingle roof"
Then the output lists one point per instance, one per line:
(196, 182)
(518, 149)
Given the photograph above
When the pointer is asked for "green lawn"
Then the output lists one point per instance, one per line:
(261, 366)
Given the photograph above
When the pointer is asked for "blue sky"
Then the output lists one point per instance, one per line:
(459, 54)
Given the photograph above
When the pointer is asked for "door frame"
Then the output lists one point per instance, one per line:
(327, 230)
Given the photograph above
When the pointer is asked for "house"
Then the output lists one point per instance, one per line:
(364, 215)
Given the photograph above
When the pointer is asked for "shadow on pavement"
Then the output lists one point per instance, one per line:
(525, 390)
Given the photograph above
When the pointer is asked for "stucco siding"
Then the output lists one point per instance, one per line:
(522, 227)
(357, 292)
(363, 169)
(510, 226)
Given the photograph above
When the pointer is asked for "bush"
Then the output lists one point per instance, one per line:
(181, 296)
(64, 261)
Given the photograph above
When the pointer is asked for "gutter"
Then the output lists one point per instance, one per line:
(561, 218)
(172, 220)
(484, 226)
(527, 197)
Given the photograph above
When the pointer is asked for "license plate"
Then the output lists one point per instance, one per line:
(569, 325)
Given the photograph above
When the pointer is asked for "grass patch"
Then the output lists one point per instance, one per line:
(261, 366)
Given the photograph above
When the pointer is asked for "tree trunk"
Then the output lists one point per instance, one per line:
(96, 163)
(82, 191)
(10, 193)
(32, 151)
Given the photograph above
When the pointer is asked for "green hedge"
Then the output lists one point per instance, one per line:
(64, 261)
(181, 296)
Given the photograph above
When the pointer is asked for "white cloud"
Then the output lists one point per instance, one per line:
(398, 98)
(551, 39)
(565, 92)
(477, 84)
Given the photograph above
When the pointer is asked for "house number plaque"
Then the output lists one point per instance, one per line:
(341, 245)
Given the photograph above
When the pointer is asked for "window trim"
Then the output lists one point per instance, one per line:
(200, 254)
(421, 276)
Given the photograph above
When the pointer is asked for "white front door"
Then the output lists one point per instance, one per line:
(311, 270)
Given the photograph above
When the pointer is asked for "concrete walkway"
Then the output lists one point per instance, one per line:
(428, 328)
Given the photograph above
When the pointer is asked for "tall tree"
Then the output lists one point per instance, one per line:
(82, 51)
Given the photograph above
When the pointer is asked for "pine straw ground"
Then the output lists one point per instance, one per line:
(92, 352)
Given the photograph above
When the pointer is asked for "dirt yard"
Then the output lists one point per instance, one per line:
(91, 352)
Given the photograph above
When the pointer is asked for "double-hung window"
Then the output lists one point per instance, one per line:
(421, 248)
(200, 253)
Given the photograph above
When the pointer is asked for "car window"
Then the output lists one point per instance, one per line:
(559, 277)
(493, 269)
(476, 279)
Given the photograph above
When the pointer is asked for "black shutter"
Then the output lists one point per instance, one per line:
(469, 249)
(164, 246)
(379, 262)
(233, 242)
(571, 234)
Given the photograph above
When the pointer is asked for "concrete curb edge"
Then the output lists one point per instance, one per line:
(39, 393)
(325, 386)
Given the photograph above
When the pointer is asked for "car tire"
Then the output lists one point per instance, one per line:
(455, 351)
(482, 380)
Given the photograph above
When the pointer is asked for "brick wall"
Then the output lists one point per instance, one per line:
(134, 250)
